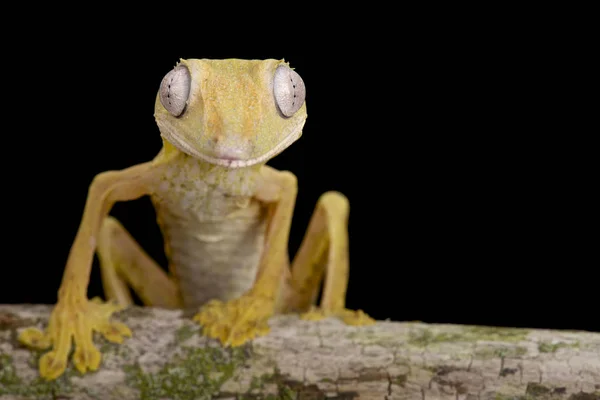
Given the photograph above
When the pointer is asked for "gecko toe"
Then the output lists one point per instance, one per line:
(115, 332)
(52, 365)
(33, 337)
(87, 358)
(356, 318)
(314, 314)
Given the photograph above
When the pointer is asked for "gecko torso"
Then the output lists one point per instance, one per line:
(212, 227)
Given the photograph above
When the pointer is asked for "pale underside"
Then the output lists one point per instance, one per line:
(212, 227)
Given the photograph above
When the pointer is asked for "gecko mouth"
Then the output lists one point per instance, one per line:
(228, 161)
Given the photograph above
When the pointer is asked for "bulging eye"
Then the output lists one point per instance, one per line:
(289, 90)
(175, 89)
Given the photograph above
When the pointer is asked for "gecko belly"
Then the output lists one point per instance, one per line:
(213, 257)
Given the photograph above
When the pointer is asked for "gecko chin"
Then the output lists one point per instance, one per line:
(230, 161)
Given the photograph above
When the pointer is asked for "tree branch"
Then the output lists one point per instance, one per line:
(167, 358)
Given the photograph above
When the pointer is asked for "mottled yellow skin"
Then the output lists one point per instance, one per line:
(225, 217)
(228, 110)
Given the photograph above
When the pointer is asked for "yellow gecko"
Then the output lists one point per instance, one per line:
(224, 214)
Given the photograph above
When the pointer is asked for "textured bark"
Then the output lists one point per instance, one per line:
(167, 358)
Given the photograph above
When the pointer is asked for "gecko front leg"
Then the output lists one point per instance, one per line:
(75, 318)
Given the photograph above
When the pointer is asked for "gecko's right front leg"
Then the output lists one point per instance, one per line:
(75, 318)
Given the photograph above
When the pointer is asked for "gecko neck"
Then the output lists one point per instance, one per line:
(231, 181)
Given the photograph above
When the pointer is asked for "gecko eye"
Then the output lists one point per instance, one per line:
(289, 90)
(175, 89)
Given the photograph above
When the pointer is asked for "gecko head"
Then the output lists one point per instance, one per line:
(234, 113)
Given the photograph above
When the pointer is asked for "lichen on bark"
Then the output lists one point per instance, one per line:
(168, 358)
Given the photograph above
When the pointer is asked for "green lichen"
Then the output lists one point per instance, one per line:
(496, 334)
(536, 390)
(421, 336)
(257, 385)
(527, 396)
(487, 353)
(198, 374)
(546, 347)
(371, 337)
(400, 380)
(11, 383)
(257, 382)
(285, 393)
(113, 349)
(500, 396)
(585, 396)
(8, 373)
(426, 337)
(286, 390)
(185, 332)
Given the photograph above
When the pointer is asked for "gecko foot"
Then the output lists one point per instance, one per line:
(237, 321)
(74, 318)
(349, 317)
(314, 314)
(355, 317)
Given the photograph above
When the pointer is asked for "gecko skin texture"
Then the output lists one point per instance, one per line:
(215, 237)
(225, 217)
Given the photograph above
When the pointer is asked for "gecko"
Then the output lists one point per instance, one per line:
(225, 218)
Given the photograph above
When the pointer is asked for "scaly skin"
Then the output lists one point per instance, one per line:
(224, 214)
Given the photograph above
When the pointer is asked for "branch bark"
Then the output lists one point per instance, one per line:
(167, 358)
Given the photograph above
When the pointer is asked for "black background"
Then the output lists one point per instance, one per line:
(462, 207)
